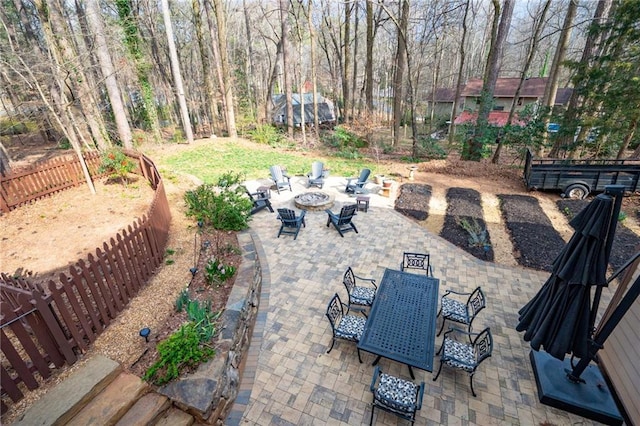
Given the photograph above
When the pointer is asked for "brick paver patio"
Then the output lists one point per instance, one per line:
(289, 378)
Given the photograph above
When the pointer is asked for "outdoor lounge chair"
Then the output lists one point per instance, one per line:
(464, 356)
(461, 312)
(280, 178)
(395, 395)
(290, 222)
(356, 185)
(342, 222)
(260, 201)
(343, 326)
(316, 176)
(419, 261)
(360, 296)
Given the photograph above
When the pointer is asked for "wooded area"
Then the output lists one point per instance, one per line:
(93, 74)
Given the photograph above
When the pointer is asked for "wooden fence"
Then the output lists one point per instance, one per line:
(45, 325)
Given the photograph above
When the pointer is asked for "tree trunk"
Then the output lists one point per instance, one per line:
(368, 91)
(284, 17)
(177, 74)
(209, 92)
(94, 19)
(459, 82)
(226, 71)
(272, 81)
(354, 74)
(216, 58)
(551, 88)
(314, 77)
(475, 145)
(251, 87)
(346, 42)
(523, 76)
(401, 52)
(628, 137)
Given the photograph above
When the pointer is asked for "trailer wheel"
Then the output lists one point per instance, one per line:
(577, 191)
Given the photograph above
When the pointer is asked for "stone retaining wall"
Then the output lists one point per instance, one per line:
(209, 393)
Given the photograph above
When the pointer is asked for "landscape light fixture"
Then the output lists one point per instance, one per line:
(145, 332)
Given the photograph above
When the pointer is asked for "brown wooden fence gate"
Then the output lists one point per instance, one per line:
(45, 325)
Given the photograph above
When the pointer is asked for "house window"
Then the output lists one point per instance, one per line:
(519, 101)
(498, 108)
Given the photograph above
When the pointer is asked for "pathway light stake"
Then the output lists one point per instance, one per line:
(145, 332)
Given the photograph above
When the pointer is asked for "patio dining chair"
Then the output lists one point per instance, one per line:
(344, 326)
(419, 261)
(290, 223)
(461, 312)
(260, 201)
(280, 178)
(316, 176)
(361, 296)
(342, 222)
(355, 185)
(395, 395)
(465, 356)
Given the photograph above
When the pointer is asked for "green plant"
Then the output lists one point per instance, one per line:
(182, 349)
(116, 165)
(567, 212)
(478, 236)
(430, 148)
(622, 216)
(224, 206)
(183, 300)
(266, 134)
(215, 271)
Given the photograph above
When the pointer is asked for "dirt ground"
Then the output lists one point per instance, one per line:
(50, 234)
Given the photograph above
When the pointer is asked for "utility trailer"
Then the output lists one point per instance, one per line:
(577, 178)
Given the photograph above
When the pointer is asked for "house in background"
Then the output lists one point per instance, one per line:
(531, 93)
(441, 102)
(326, 111)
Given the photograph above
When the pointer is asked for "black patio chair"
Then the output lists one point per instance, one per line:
(361, 296)
(461, 312)
(343, 326)
(316, 176)
(356, 185)
(290, 222)
(465, 356)
(419, 261)
(260, 201)
(395, 395)
(280, 178)
(342, 222)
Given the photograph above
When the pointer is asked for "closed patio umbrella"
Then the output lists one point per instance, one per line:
(558, 318)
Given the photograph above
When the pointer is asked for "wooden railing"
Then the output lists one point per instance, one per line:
(44, 324)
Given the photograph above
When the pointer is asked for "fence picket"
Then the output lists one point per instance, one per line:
(100, 278)
(116, 285)
(97, 298)
(19, 365)
(84, 308)
(10, 387)
(119, 254)
(66, 314)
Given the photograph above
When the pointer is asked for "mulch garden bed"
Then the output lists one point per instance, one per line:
(464, 206)
(535, 240)
(625, 242)
(413, 200)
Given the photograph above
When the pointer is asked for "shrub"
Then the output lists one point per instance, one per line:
(224, 206)
(116, 165)
(430, 148)
(216, 272)
(266, 134)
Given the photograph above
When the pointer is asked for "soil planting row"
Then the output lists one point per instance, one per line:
(625, 241)
(535, 240)
(464, 209)
(413, 200)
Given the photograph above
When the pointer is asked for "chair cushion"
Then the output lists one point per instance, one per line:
(396, 394)
(458, 355)
(363, 296)
(351, 327)
(454, 310)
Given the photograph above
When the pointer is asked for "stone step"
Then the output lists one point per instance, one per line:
(146, 410)
(65, 400)
(174, 417)
(112, 403)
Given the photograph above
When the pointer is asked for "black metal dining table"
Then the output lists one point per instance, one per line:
(402, 323)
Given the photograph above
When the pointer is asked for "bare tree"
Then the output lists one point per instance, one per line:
(398, 82)
(94, 19)
(284, 16)
(224, 64)
(460, 78)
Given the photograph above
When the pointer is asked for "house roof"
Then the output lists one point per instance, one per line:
(443, 94)
(506, 87)
(496, 118)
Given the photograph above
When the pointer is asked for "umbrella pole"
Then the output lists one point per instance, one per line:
(598, 341)
(617, 191)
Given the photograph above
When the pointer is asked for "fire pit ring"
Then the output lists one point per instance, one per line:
(314, 200)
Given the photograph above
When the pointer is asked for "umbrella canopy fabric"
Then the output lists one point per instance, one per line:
(558, 317)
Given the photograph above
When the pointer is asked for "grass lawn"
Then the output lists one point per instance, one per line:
(209, 159)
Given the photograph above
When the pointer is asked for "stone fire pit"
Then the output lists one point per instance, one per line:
(315, 200)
